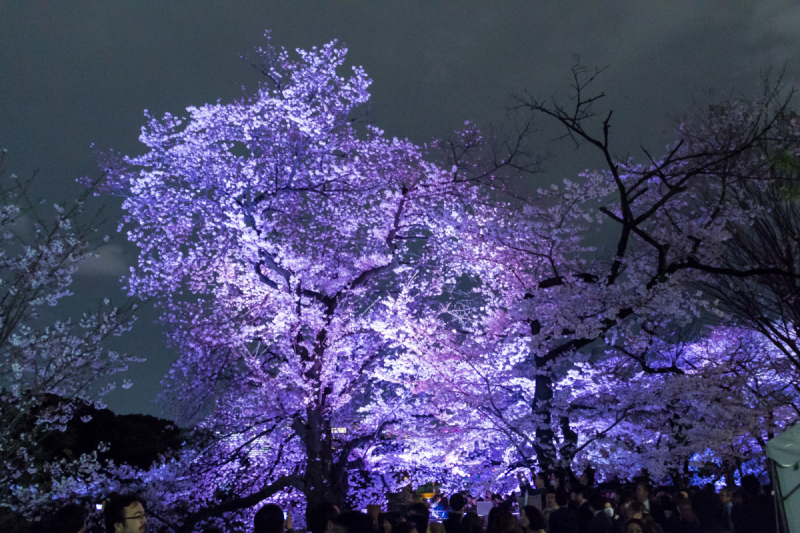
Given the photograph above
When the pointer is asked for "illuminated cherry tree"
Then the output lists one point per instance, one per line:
(559, 304)
(279, 233)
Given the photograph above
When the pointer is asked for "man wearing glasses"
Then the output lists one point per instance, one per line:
(125, 514)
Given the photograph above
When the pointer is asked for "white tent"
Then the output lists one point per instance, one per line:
(784, 450)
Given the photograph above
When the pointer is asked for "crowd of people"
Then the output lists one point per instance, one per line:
(552, 505)
(555, 505)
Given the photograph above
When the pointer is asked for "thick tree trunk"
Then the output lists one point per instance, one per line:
(322, 480)
(545, 438)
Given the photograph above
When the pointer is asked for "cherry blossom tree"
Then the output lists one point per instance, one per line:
(279, 233)
(47, 368)
(554, 308)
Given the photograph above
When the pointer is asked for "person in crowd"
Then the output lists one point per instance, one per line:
(587, 478)
(757, 510)
(643, 494)
(654, 509)
(563, 519)
(505, 522)
(406, 527)
(624, 499)
(532, 495)
(355, 522)
(637, 510)
(455, 514)
(124, 513)
(708, 508)
(445, 508)
(269, 519)
(726, 498)
(470, 523)
(579, 496)
(69, 519)
(531, 520)
(601, 521)
(686, 522)
(321, 518)
(668, 509)
(490, 519)
(636, 526)
(419, 514)
(550, 503)
(436, 506)
(471, 504)
(387, 522)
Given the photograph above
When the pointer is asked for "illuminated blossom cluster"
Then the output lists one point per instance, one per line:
(719, 397)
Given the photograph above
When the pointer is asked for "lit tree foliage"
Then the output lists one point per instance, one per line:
(47, 369)
(679, 407)
(279, 233)
(553, 309)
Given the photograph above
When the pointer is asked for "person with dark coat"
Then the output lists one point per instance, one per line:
(69, 519)
(532, 495)
(270, 519)
(355, 522)
(471, 523)
(757, 510)
(580, 495)
(321, 517)
(653, 507)
(707, 509)
(531, 520)
(601, 521)
(453, 521)
(563, 519)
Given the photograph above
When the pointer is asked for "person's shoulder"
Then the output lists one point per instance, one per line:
(564, 513)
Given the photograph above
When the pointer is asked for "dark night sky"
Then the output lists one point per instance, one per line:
(77, 73)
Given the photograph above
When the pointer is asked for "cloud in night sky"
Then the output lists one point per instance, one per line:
(111, 261)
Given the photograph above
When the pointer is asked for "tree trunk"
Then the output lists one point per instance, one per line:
(322, 484)
(545, 438)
